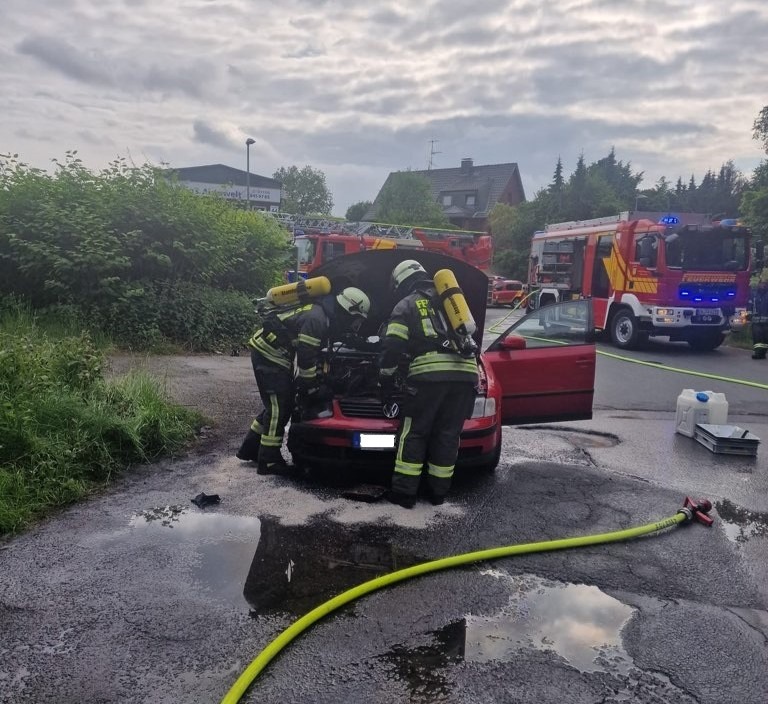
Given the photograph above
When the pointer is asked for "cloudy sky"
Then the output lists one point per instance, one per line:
(359, 89)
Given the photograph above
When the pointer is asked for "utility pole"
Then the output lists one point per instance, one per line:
(432, 152)
(248, 143)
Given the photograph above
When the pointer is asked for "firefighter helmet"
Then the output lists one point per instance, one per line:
(407, 271)
(354, 302)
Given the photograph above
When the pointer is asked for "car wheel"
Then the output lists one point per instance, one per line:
(624, 329)
(707, 342)
(491, 466)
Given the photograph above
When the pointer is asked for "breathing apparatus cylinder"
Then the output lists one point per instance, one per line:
(456, 310)
(299, 292)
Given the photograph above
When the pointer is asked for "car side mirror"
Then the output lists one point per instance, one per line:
(512, 342)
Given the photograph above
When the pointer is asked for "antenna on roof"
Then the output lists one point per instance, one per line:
(432, 152)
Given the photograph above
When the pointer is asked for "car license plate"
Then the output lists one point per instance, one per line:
(710, 312)
(374, 441)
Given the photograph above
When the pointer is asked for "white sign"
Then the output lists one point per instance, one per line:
(268, 195)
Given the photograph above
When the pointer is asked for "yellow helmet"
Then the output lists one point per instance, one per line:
(405, 271)
(353, 301)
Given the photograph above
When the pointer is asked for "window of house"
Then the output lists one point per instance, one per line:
(470, 199)
(447, 200)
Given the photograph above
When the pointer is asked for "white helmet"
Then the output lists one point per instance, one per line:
(406, 270)
(354, 301)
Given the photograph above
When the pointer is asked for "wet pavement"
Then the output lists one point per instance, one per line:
(140, 596)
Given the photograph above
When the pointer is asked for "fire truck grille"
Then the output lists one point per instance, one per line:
(362, 408)
(707, 292)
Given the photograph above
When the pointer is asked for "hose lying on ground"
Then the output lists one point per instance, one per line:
(691, 510)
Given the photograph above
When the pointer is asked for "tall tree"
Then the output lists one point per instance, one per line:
(356, 212)
(406, 199)
(760, 128)
(306, 192)
(754, 204)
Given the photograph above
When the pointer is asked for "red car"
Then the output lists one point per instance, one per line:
(507, 292)
(541, 369)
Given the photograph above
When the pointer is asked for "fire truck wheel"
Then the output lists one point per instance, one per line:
(624, 329)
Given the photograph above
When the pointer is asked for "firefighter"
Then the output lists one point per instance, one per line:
(440, 387)
(302, 330)
(758, 316)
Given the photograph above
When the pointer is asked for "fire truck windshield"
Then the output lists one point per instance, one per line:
(716, 250)
(306, 247)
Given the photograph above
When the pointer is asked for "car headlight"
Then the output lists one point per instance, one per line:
(485, 407)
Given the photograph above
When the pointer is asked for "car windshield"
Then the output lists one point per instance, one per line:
(306, 249)
(708, 251)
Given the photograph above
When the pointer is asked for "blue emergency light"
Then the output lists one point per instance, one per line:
(669, 220)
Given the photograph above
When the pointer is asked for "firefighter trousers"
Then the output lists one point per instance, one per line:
(430, 429)
(759, 340)
(277, 395)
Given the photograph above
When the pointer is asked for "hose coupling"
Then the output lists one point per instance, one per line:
(697, 510)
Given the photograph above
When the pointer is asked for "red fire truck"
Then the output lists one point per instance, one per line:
(317, 245)
(646, 277)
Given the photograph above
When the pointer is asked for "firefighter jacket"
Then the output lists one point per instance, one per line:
(759, 306)
(415, 332)
(300, 331)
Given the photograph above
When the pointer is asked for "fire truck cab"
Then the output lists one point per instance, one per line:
(646, 278)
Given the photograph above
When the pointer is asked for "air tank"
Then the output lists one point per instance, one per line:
(299, 292)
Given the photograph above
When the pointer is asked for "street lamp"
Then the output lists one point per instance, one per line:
(248, 143)
(638, 197)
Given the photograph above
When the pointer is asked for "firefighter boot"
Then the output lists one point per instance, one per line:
(759, 353)
(249, 450)
(404, 500)
(271, 462)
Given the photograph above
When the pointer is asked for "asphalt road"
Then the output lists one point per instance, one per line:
(139, 596)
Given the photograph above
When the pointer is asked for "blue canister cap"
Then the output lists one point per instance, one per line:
(701, 396)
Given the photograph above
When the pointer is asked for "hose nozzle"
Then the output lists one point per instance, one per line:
(697, 510)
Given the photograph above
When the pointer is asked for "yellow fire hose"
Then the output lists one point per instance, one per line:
(691, 510)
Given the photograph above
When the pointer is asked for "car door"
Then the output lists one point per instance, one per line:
(545, 365)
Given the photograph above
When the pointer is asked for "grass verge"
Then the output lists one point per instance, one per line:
(64, 429)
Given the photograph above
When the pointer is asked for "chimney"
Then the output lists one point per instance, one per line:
(466, 165)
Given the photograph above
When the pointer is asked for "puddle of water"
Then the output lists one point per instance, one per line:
(296, 568)
(269, 567)
(580, 438)
(739, 523)
(225, 544)
(579, 623)
(421, 667)
(179, 522)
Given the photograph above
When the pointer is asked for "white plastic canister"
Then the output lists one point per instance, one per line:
(699, 407)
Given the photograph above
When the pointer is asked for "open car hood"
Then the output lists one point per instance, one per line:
(370, 271)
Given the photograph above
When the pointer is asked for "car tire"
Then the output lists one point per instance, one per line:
(490, 467)
(625, 330)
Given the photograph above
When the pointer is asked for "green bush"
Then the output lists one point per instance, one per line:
(130, 251)
(64, 429)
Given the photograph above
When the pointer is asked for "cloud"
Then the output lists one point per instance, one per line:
(221, 137)
(360, 90)
(66, 59)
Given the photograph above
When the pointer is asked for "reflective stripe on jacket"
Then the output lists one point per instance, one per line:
(302, 331)
(415, 331)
